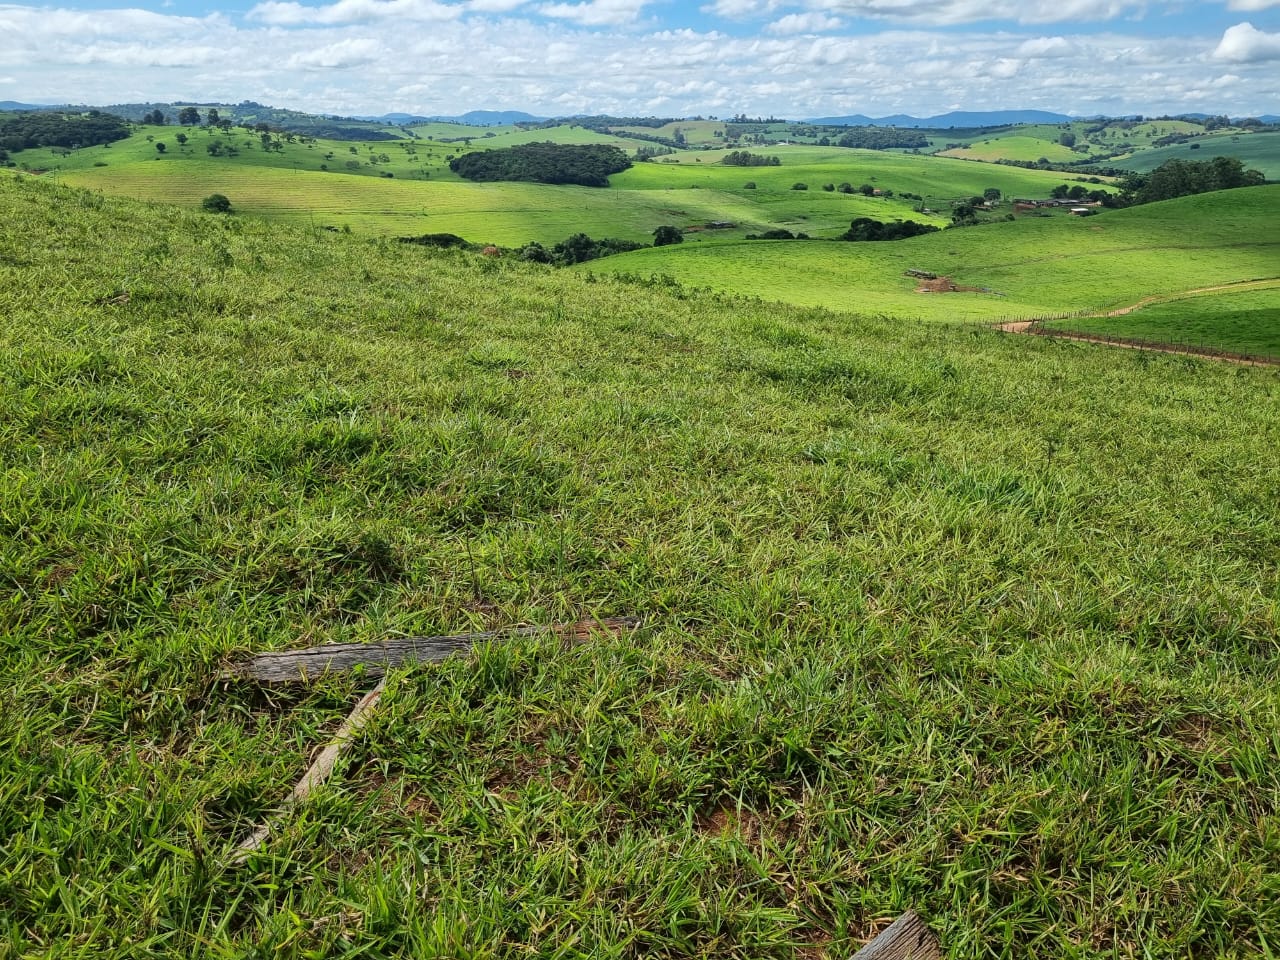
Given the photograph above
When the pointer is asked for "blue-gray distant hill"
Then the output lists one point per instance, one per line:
(15, 105)
(959, 118)
(473, 118)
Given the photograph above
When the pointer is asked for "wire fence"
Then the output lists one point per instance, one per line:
(1038, 326)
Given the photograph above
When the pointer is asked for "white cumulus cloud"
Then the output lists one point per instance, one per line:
(1047, 48)
(289, 13)
(1244, 43)
(805, 23)
(355, 52)
(596, 13)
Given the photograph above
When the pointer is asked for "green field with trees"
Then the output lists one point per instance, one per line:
(407, 187)
(1035, 267)
(1260, 151)
(934, 617)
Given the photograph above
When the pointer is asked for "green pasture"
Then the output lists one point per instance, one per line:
(1243, 322)
(405, 159)
(424, 196)
(696, 132)
(1013, 148)
(938, 179)
(565, 133)
(1140, 135)
(509, 214)
(441, 130)
(1030, 142)
(1258, 151)
(1033, 267)
(488, 138)
(367, 187)
(977, 624)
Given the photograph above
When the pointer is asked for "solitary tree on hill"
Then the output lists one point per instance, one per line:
(189, 117)
(666, 235)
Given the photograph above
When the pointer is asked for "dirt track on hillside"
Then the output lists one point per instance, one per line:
(1037, 327)
(1151, 347)
(1188, 294)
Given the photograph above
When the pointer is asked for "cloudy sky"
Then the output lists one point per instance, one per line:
(792, 58)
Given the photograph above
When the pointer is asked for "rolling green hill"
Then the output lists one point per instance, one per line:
(1258, 151)
(1034, 267)
(1242, 319)
(979, 624)
(406, 187)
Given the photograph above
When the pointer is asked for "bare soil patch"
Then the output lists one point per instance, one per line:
(948, 285)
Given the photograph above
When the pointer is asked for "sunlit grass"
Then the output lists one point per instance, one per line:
(980, 624)
(1034, 267)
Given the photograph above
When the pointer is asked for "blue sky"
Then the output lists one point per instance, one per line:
(794, 58)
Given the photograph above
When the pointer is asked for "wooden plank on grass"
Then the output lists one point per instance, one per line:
(319, 771)
(376, 658)
(294, 666)
(907, 938)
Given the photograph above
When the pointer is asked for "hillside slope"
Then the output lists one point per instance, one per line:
(980, 624)
(1033, 267)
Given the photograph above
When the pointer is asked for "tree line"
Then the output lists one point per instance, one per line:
(26, 131)
(1182, 178)
(587, 165)
(882, 138)
(743, 158)
(866, 229)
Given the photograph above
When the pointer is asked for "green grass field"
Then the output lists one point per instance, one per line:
(700, 132)
(1245, 322)
(1035, 267)
(978, 624)
(938, 180)
(1035, 141)
(1024, 147)
(422, 195)
(1258, 151)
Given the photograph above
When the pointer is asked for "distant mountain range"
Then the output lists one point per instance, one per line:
(992, 118)
(474, 118)
(495, 118)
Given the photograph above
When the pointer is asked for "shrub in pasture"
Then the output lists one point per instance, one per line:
(216, 203)
(666, 235)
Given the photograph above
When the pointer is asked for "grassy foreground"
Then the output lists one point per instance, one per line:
(982, 624)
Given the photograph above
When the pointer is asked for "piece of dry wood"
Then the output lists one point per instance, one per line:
(285, 667)
(907, 938)
(292, 666)
(319, 771)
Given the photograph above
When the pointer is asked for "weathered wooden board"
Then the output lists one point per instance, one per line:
(294, 666)
(319, 771)
(299, 665)
(907, 938)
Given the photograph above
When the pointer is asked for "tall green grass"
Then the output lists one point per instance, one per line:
(976, 623)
